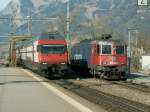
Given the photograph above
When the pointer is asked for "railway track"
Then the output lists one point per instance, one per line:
(129, 85)
(134, 86)
(107, 101)
(139, 87)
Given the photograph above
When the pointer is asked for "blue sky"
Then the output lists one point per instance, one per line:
(3, 3)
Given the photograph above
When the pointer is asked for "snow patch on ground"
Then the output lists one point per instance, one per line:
(139, 78)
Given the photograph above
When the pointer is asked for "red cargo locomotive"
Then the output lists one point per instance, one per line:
(45, 53)
(104, 58)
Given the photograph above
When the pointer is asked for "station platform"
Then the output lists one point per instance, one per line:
(24, 91)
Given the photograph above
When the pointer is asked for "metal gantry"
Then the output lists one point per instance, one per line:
(12, 49)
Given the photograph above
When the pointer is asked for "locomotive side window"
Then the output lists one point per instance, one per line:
(106, 49)
(120, 50)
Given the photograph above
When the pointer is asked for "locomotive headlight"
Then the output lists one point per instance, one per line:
(104, 63)
(62, 63)
(44, 63)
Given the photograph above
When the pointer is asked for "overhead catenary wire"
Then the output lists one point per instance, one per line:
(28, 18)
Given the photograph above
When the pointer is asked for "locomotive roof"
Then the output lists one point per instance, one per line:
(43, 36)
(49, 36)
(99, 41)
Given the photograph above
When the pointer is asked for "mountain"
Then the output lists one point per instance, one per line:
(88, 18)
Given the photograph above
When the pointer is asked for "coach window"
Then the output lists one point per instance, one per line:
(106, 49)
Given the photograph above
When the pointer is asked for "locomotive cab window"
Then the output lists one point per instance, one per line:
(106, 49)
(120, 50)
(53, 49)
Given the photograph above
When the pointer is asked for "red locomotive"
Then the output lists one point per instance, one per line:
(45, 53)
(104, 58)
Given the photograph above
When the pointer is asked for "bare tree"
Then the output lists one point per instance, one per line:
(100, 25)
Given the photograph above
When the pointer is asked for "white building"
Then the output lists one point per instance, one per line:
(145, 62)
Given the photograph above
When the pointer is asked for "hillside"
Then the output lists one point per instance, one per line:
(89, 18)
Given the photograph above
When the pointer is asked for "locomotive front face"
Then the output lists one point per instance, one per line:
(111, 54)
(109, 59)
(52, 54)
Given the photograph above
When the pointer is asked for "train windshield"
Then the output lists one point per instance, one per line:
(106, 49)
(120, 50)
(53, 49)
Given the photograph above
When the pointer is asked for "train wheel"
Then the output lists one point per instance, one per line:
(94, 73)
(123, 76)
(41, 72)
(101, 76)
(61, 72)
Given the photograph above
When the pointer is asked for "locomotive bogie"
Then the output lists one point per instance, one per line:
(109, 72)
